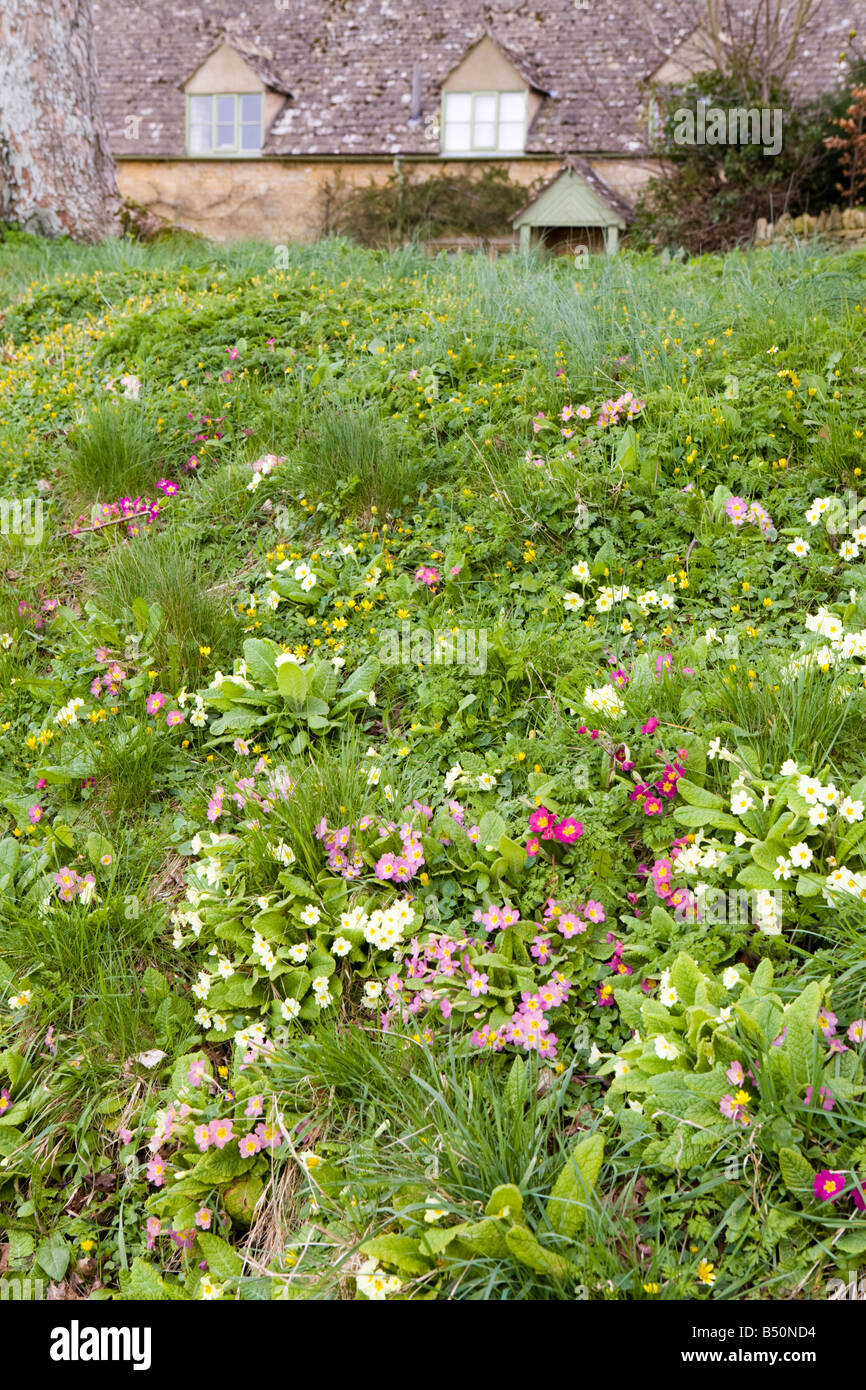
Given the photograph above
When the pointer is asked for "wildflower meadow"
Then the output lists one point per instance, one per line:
(432, 789)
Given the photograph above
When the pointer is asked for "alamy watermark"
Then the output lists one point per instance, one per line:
(22, 517)
(77, 1343)
(853, 1287)
(421, 646)
(841, 514)
(738, 907)
(735, 125)
(17, 1289)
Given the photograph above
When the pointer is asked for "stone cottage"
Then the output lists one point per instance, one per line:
(242, 119)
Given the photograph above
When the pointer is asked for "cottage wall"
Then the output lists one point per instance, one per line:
(283, 200)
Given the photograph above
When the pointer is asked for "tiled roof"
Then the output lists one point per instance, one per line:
(348, 65)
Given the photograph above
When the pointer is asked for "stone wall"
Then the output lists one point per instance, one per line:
(283, 200)
(842, 226)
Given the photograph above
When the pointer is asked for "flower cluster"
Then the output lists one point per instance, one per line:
(261, 467)
(395, 865)
(136, 511)
(71, 885)
(627, 404)
(651, 796)
(740, 512)
(837, 647)
(544, 825)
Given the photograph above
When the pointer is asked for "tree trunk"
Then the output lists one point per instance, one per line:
(56, 170)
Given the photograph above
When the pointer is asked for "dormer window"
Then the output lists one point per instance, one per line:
(483, 122)
(225, 123)
(232, 100)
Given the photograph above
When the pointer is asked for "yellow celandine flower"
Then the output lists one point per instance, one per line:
(650, 1288)
(706, 1273)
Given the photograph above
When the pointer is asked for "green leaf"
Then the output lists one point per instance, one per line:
(696, 816)
(146, 1285)
(223, 1261)
(527, 1251)
(402, 1251)
(98, 847)
(515, 1087)
(505, 1203)
(493, 829)
(292, 684)
(626, 456)
(141, 613)
(762, 980)
(10, 853)
(685, 978)
(797, 1173)
(853, 1244)
(514, 856)
(753, 876)
(698, 796)
(800, 1041)
(437, 1239)
(324, 682)
(239, 721)
(566, 1210)
(21, 1247)
(483, 1237)
(360, 682)
(662, 923)
(261, 658)
(53, 1256)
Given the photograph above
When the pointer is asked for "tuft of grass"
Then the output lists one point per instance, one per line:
(809, 718)
(416, 1124)
(184, 612)
(350, 450)
(115, 451)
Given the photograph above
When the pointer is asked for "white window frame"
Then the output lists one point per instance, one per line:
(490, 150)
(224, 151)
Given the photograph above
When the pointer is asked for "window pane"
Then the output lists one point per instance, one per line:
(484, 135)
(251, 137)
(225, 123)
(458, 106)
(511, 135)
(485, 108)
(251, 107)
(199, 139)
(512, 106)
(200, 109)
(457, 137)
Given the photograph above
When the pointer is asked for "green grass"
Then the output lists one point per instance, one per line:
(401, 392)
(115, 452)
(186, 611)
